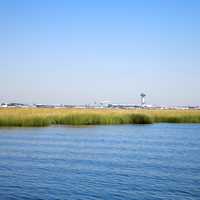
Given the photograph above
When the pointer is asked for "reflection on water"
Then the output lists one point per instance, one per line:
(126, 162)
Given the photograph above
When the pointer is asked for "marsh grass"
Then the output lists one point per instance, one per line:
(38, 117)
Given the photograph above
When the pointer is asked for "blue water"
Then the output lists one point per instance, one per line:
(141, 162)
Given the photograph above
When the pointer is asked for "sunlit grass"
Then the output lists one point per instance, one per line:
(45, 117)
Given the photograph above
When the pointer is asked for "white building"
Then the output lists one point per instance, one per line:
(3, 105)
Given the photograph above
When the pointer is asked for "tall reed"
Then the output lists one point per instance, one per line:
(45, 117)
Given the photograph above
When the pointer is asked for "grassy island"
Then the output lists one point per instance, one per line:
(46, 117)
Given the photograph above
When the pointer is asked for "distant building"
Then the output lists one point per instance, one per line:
(44, 106)
(17, 105)
(4, 105)
(142, 95)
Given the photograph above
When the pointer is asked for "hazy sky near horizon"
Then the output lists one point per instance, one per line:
(77, 52)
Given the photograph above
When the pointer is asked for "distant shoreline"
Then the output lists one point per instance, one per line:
(39, 117)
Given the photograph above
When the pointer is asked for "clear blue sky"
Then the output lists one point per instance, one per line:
(77, 52)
